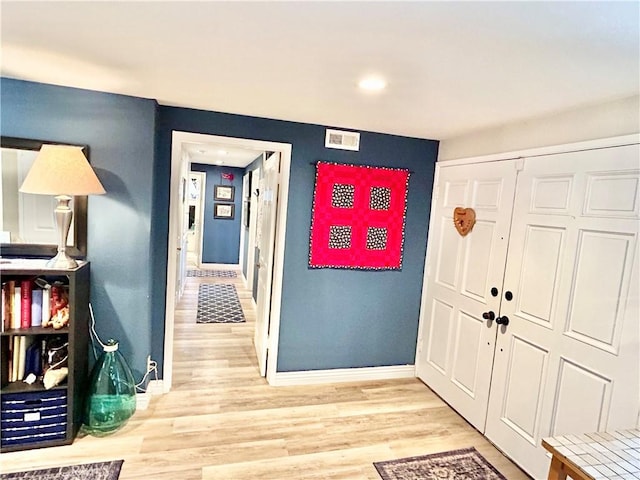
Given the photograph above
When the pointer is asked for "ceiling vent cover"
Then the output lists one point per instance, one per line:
(343, 140)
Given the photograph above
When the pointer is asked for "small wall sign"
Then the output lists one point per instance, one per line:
(464, 219)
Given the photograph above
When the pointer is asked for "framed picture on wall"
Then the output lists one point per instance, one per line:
(223, 192)
(223, 211)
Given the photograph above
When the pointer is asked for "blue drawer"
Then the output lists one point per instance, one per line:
(33, 417)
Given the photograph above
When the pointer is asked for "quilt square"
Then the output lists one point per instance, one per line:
(376, 238)
(358, 217)
(380, 198)
(342, 195)
(339, 237)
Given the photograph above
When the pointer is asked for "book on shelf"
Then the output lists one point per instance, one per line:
(36, 307)
(8, 289)
(33, 302)
(26, 288)
(17, 306)
(33, 360)
(27, 355)
(46, 301)
(25, 342)
(15, 365)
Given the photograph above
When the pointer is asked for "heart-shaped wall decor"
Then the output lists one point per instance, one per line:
(464, 219)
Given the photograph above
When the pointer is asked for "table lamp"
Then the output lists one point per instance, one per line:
(63, 171)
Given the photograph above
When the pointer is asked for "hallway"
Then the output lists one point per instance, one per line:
(223, 421)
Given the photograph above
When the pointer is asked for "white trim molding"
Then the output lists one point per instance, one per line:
(341, 375)
(620, 141)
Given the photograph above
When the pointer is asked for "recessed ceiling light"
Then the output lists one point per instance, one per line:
(372, 84)
(218, 162)
(222, 152)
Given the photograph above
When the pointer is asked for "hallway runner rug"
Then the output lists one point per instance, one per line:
(219, 303)
(464, 464)
(212, 273)
(88, 471)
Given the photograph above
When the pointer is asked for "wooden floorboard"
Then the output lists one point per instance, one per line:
(223, 421)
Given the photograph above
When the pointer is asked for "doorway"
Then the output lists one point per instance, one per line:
(178, 225)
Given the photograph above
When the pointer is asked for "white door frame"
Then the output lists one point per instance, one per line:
(177, 164)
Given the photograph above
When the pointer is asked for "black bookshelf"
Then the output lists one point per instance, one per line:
(77, 334)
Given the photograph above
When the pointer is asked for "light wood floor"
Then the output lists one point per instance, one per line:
(223, 421)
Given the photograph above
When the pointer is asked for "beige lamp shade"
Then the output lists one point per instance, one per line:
(61, 170)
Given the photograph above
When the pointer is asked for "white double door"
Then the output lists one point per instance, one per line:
(553, 259)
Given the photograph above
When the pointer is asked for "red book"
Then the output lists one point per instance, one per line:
(26, 286)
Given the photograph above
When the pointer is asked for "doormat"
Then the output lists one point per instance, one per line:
(464, 464)
(88, 471)
(219, 303)
(212, 273)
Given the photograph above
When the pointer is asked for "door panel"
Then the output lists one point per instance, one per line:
(456, 344)
(578, 385)
(266, 242)
(568, 360)
(477, 260)
(526, 367)
(465, 365)
(542, 254)
(440, 328)
(592, 267)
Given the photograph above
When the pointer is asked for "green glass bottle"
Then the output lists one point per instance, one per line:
(112, 393)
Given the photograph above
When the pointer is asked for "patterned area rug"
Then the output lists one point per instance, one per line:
(219, 303)
(464, 464)
(89, 471)
(212, 273)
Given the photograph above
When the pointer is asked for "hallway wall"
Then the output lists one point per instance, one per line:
(220, 237)
(331, 318)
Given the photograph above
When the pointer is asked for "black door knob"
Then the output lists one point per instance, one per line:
(502, 320)
(494, 292)
(489, 315)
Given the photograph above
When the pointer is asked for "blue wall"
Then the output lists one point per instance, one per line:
(120, 132)
(330, 318)
(333, 318)
(221, 237)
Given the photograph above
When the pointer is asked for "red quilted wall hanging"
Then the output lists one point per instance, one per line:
(358, 217)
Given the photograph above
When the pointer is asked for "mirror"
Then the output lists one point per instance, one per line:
(27, 224)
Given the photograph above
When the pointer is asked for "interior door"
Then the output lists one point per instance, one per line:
(567, 362)
(268, 198)
(183, 238)
(196, 202)
(456, 343)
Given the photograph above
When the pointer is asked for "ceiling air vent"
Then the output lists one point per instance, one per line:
(343, 140)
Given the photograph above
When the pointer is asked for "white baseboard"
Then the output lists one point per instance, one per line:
(339, 375)
(142, 400)
(154, 387)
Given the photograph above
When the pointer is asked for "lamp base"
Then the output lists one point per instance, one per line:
(63, 216)
(62, 261)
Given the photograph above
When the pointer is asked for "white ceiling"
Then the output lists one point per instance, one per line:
(451, 67)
